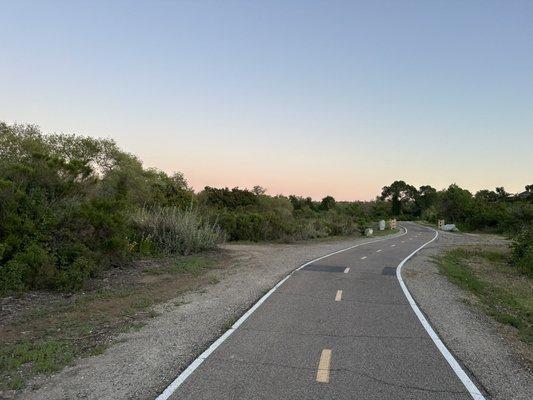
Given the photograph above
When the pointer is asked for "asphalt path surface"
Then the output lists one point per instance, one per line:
(340, 328)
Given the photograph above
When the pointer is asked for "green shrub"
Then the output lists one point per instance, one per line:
(522, 251)
(12, 276)
(38, 266)
(250, 226)
(231, 199)
(430, 215)
(74, 276)
(362, 226)
(171, 230)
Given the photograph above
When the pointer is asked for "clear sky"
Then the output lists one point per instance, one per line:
(304, 97)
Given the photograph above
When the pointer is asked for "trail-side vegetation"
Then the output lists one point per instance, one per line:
(255, 216)
(522, 251)
(72, 207)
(501, 290)
(485, 211)
(66, 207)
(173, 231)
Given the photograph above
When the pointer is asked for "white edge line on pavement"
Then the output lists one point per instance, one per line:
(461, 374)
(201, 358)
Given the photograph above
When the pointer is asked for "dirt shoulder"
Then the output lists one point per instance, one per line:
(485, 347)
(139, 364)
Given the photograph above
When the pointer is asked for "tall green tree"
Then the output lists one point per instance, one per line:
(456, 203)
(425, 198)
(398, 193)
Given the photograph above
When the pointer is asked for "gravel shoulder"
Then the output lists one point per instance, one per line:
(144, 362)
(480, 343)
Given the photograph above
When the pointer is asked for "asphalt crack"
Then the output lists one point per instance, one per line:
(345, 370)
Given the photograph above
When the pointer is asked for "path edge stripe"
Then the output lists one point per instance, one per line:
(459, 371)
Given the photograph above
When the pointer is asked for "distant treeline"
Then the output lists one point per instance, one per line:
(72, 206)
(486, 210)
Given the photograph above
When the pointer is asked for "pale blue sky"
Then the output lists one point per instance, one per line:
(305, 97)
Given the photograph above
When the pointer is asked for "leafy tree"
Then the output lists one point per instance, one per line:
(351, 209)
(226, 198)
(327, 203)
(62, 215)
(425, 198)
(258, 190)
(502, 194)
(300, 203)
(165, 190)
(487, 195)
(456, 203)
(399, 193)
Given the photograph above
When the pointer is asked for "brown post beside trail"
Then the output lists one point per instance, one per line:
(392, 223)
(440, 223)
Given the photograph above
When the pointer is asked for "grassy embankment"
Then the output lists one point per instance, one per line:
(496, 286)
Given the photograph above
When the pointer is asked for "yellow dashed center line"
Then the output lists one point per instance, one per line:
(322, 375)
(346, 270)
(338, 296)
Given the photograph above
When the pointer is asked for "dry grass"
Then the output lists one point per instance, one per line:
(174, 231)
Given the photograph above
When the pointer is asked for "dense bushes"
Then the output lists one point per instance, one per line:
(57, 222)
(257, 226)
(255, 216)
(66, 204)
